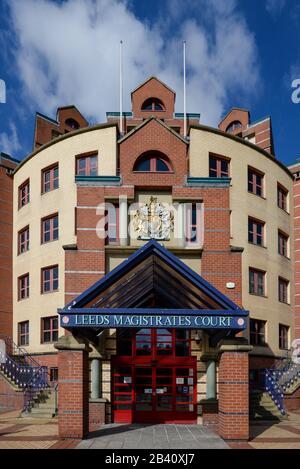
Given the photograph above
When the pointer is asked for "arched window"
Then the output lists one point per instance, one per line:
(152, 163)
(153, 104)
(72, 123)
(233, 126)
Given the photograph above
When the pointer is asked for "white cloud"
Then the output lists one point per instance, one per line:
(9, 141)
(275, 7)
(68, 53)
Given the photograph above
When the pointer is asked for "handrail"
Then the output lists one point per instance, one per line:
(13, 350)
(280, 377)
(273, 388)
(56, 398)
(38, 382)
(19, 366)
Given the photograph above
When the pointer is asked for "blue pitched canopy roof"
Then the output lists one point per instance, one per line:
(153, 270)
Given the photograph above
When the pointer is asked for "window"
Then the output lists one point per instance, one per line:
(257, 282)
(152, 104)
(283, 242)
(72, 123)
(193, 223)
(50, 229)
(24, 194)
(50, 179)
(255, 182)
(256, 232)
(50, 279)
(153, 163)
(23, 287)
(49, 331)
(282, 197)
(257, 332)
(233, 126)
(87, 165)
(23, 333)
(153, 342)
(112, 224)
(283, 337)
(53, 375)
(283, 290)
(23, 240)
(218, 167)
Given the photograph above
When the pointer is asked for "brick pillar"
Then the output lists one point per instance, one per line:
(234, 389)
(73, 387)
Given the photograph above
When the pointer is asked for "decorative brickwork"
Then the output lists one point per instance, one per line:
(234, 392)
(73, 382)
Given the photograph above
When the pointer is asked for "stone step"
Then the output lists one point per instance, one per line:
(39, 410)
(44, 405)
(41, 415)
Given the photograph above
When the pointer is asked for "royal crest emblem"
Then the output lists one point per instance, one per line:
(153, 221)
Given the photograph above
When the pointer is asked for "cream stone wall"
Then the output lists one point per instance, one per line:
(63, 201)
(244, 204)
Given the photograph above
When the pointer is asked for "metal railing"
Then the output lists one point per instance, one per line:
(279, 378)
(23, 370)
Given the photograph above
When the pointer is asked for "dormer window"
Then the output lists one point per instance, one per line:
(234, 126)
(152, 104)
(72, 123)
(152, 163)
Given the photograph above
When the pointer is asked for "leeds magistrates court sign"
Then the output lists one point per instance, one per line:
(192, 321)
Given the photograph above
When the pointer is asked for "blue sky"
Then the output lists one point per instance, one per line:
(243, 53)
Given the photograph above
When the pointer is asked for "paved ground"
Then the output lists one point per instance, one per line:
(20, 433)
(121, 436)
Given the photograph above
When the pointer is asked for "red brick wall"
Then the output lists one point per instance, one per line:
(6, 220)
(296, 248)
(73, 407)
(153, 137)
(44, 127)
(292, 402)
(234, 396)
(218, 264)
(153, 89)
(10, 399)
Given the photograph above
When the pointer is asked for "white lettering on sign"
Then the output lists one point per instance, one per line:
(119, 320)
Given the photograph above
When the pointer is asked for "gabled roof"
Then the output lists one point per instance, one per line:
(234, 109)
(157, 79)
(152, 268)
(145, 122)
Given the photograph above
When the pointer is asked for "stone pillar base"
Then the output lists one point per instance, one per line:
(97, 413)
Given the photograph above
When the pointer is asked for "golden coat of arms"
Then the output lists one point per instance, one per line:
(153, 221)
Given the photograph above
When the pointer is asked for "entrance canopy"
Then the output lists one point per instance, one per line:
(150, 289)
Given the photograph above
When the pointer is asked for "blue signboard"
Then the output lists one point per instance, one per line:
(150, 320)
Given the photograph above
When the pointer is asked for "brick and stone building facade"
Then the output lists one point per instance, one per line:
(7, 166)
(225, 202)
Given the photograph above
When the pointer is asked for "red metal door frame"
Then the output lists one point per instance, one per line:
(125, 411)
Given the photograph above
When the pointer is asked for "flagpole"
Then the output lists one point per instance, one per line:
(184, 90)
(121, 87)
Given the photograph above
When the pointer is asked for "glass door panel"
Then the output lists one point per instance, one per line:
(164, 389)
(144, 394)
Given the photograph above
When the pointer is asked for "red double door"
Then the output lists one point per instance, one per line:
(160, 389)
